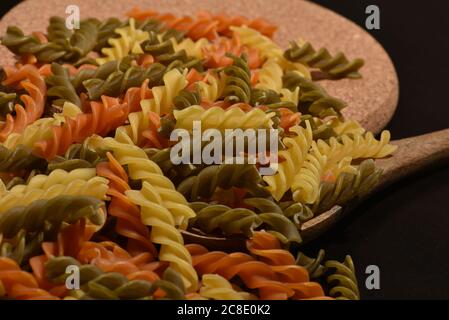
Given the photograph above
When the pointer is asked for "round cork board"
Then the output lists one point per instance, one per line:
(371, 100)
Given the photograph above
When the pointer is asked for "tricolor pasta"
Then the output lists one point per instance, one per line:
(89, 180)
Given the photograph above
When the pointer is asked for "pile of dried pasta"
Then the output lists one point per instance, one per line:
(88, 182)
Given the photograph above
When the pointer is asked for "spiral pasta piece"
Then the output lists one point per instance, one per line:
(223, 176)
(210, 88)
(306, 184)
(356, 146)
(193, 28)
(163, 232)
(42, 214)
(217, 118)
(313, 99)
(77, 182)
(64, 46)
(34, 101)
(20, 284)
(347, 127)
(215, 53)
(232, 221)
(96, 284)
(110, 257)
(162, 207)
(253, 38)
(77, 156)
(162, 101)
(238, 80)
(128, 42)
(106, 116)
(106, 31)
(7, 102)
(295, 155)
(347, 186)
(19, 158)
(218, 288)
(129, 222)
(337, 66)
(271, 281)
(343, 281)
(121, 80)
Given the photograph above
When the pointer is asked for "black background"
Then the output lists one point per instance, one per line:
(405, 229)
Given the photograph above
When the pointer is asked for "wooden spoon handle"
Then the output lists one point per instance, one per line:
(414, 154)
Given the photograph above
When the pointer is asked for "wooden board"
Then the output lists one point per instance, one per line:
(372, 100)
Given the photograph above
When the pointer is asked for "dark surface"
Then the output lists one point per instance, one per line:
(405, 229)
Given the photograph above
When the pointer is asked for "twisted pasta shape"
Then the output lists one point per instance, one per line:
(110, 257)
(19, 43)
(7, 102)
(20, 284)
(313, 265)
(186, 98)
(193, 28)
(162, 101)
(19, 158)
(163, 232)
(270, 76)
(356, 146)
(216, 287)
(283, 222)
(193, 49)
(100, 72)
(96, 284)
(217, 118)
(129, 222)
(162, 207)
(267, 249)
(210, 88)
(238, 81)
(22, 246)
(271, 282)
(77, 156)
(106, 31)
(306, 183)
(215, 53)
(343, 281)
(347, 186)
(337, 66)
(347, 127)
(57, 31)
(128, 42)
(166, 51)
(313, 99)
(231, 221)
(106, 116)
(295, 155)
(223, 176)
(59, 182)
(254, 39)
(41, 214)
(119, 81)
(61, 87)
(175, 173)
(33, 101)
(41, 129)
(72, 47)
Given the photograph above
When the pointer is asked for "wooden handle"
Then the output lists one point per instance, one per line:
(414, 154)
